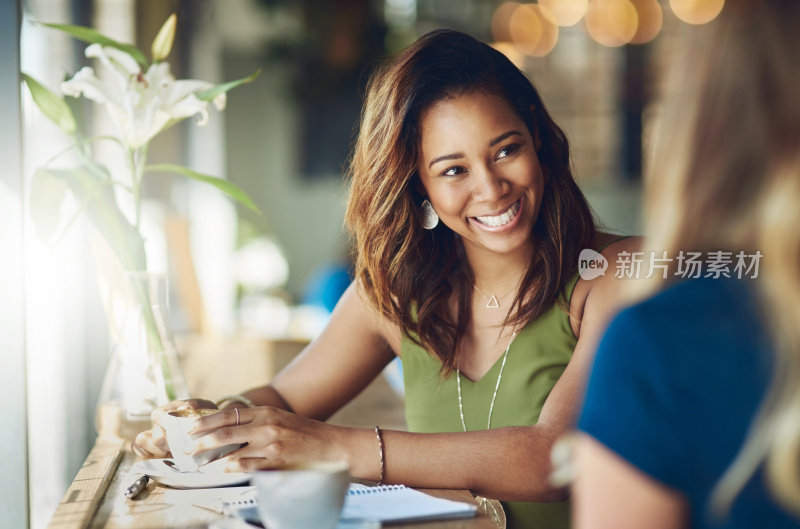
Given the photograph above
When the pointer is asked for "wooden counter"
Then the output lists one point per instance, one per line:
(95, 500)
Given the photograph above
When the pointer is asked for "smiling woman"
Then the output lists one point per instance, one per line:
(461, 126)
(450, 130)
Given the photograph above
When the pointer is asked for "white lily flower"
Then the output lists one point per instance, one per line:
(141, 104)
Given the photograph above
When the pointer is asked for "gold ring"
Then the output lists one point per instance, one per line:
(237, 415)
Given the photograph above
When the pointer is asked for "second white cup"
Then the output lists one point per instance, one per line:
(302, 496)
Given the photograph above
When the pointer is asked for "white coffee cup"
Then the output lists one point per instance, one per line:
(177, 425)
(302, 496)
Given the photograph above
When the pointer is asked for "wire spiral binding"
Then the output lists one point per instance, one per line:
(374, 490)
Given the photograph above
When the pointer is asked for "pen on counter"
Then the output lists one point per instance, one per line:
(136, 487)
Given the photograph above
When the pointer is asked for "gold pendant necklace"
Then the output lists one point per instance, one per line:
(496, 387)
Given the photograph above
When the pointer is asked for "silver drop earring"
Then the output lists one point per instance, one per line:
(429, 217)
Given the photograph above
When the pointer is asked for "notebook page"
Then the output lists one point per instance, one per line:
(397, 503)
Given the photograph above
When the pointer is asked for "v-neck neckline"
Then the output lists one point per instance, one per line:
(495, 366)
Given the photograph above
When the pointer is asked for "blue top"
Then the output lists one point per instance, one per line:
(676, 382)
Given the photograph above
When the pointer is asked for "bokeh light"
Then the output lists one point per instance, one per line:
(533, 30)
(566, 12)
(611, 22)
(650, 19)
(512, 52)
(697, 11)
(501, 21)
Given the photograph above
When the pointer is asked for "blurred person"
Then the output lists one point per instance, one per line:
(692, 415)
(327, 284)
(467, 227)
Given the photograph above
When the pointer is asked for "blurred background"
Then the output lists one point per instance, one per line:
(239, 278)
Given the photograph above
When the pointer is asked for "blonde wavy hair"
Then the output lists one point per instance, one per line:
(416, 277)
(726, 175)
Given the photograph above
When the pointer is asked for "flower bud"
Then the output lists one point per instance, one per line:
(162, 44)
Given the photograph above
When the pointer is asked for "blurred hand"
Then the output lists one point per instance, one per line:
(152, 443)
(273, 438)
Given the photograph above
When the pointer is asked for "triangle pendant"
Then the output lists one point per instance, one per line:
(492, 303)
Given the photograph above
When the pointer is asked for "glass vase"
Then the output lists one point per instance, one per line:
(144, 370)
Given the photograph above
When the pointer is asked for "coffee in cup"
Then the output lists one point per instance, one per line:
(177, 425)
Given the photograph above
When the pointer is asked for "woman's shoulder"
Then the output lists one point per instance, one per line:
(597, 292)
(355, 301)
(597, 268)
(615, 251)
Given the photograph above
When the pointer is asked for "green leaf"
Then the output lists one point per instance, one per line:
(93, 189)
(95, 37)
(52, 105)
(227, 187)
(214, 91)
(162, 44)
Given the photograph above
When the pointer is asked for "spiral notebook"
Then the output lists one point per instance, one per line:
(387, 504)
(398, 503)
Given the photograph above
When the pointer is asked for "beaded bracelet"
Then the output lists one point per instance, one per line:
(383, 456)
(235, 398)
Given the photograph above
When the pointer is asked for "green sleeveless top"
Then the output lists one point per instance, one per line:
(537, 357)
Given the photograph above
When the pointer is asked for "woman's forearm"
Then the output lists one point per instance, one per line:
(505, 463)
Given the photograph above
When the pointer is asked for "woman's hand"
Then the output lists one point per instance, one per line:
(273, 437)
(153, 443)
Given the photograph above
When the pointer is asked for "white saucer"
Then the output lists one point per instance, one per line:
(158, 470)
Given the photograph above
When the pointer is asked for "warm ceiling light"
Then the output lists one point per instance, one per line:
(525, 28)
(501, 20)
(533, 30)
(549, 31)
(696, 11)
(611, 22)
(566, 12)
(650, 19)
